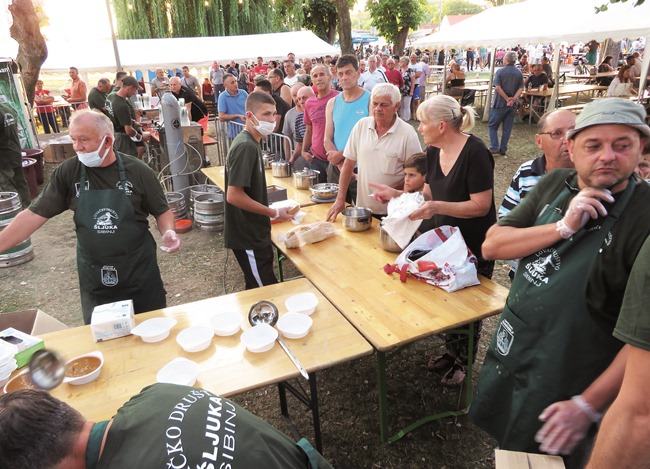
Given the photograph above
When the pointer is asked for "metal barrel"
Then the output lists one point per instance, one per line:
(208, 212)
(176, 202)
(202, 189)
(10, 206)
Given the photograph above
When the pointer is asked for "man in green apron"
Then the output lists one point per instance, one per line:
(112, 195)
(578, 233)
(164, 426)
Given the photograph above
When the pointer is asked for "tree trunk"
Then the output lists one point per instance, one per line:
(331, 29)
(400, 41)
(345, 27)
(32, 50)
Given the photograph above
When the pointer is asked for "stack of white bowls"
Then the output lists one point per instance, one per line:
(7, 365)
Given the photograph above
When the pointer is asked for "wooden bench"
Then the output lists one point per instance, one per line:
(576, 108)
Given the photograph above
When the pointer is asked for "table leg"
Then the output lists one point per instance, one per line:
(281, 258)
(382, 395)
(310, 401)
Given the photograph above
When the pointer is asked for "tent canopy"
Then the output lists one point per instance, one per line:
(170, 53)
(544, 21)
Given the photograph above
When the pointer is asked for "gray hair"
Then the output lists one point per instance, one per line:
(387, 89)
(510, 57)
(443, 108)
(101, 122)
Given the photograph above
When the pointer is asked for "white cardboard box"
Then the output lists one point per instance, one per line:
(112, 320)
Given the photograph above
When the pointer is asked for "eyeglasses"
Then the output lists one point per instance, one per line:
(556, 134)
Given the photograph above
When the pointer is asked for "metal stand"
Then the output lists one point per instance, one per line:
(310, 401)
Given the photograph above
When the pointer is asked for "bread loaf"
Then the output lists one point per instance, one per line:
(309, 234)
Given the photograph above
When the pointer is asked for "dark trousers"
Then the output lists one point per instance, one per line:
(218, 89)
(257, 266)
(321, 166)
(48, 120)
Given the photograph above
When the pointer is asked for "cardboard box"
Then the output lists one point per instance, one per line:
(112, 320)
(56, 147)
(31, 321)
(21, 345)
(276, 193)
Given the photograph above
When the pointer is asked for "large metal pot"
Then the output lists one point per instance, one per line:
(305, 179)
(357, 218)
(280, 169)
(325, 190)
(386, 242)
(268, 160)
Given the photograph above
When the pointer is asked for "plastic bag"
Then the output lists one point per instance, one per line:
(397, 224)
(440, 257)
(308, 234)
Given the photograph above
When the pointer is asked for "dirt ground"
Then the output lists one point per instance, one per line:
(347, 394)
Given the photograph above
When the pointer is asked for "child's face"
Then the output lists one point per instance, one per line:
(643, 168)
(413, 180)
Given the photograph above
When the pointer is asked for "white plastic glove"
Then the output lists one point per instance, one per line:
(587, 204)
(566, 426)
(171, 242)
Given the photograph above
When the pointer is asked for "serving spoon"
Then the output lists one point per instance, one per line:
(46, 369)
(265, 312)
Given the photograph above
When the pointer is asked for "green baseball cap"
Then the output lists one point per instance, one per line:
(611, 111)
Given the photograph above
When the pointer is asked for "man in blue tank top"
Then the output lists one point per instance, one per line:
(342, 113)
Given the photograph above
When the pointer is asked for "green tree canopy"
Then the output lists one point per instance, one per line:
(394, 18)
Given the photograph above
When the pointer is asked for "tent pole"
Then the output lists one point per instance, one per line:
(118, 63)
(556, 73)
(488, 97)
(644, 71)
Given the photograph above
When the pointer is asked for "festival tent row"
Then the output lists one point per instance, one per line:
(98, 56)
(546, 21)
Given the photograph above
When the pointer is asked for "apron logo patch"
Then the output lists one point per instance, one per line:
(538, 271)
(77, 186)
(505, 337)
(127, 187)
(109, 276)
(105, 221)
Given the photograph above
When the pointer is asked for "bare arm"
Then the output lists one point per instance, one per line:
(306, 144)
(21, 228)
(240, 199)
(285, 93)
(165, 222)
(344, 183)
(507, 242)
(624, 433)
(223, 117)
(334, 155)
(478, 205)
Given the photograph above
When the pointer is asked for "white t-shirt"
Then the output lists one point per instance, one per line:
(417, 67)
(379, 160)
(291, 81)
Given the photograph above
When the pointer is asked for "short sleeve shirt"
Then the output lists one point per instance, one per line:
(120, 111)
(510, 79)
(315, 117)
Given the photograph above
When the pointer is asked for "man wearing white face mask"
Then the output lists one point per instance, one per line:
(111, 196)
(247, 229)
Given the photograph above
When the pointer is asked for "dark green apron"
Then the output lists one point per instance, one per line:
(546, 347)
(116, 255)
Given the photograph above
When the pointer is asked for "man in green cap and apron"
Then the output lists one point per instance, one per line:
(546, 378)
(111, 196)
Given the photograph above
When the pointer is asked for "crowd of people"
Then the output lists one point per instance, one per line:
(574, 225)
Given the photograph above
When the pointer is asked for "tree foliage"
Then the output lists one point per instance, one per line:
(498, 3)
(605, 6)
(450, 7)
(321, 18)
(394, 18)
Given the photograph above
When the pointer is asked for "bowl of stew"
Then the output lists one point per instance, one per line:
(84, 368)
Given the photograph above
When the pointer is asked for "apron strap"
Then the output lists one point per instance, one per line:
(309, 450)
(120, 167)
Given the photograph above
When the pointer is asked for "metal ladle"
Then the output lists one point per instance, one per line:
(265, 312)
(46, 369)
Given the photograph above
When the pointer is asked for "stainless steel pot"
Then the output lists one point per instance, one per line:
(357, 218)
(325, 190)
(280, 169)
(386, 242)
(305, 179)
(268, 160)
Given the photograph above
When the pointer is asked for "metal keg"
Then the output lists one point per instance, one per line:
(208, 212)
(10, 206)
(176, 202)
(201, 189)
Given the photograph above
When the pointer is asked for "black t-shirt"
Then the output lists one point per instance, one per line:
(97, 100)
(10, 153)
(199, 110)
(281, 107)
(120, 110)
(472, 173)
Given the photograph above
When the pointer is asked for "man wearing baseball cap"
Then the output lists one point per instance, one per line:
(553, 365)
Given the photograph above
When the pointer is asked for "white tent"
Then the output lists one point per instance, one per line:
(546, 21)
(92, 56)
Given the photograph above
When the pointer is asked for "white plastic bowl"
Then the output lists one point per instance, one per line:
(88, 377)
(5, 355)
(179, 371)
(294, 325)
(154, 329)
(260, 338)
(195, 338)
(6, 371)
(305, 303)
(226, 323)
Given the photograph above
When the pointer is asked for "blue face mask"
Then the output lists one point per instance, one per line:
(92, 159)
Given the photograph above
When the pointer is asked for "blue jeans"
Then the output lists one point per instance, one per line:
(321, 166)
(505, 116)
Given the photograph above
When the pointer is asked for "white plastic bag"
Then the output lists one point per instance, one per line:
(446, 248)
(308, 234)
(397, 224)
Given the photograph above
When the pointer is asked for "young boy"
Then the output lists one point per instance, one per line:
(643, 168)
(415, 172)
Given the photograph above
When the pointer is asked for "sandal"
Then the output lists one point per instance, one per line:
(455, 376)
(441, 362)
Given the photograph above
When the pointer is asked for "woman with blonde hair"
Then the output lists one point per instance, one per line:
(459, 191)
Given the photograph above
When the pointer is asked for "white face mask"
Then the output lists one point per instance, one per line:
(264, 127)
(92, 158)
